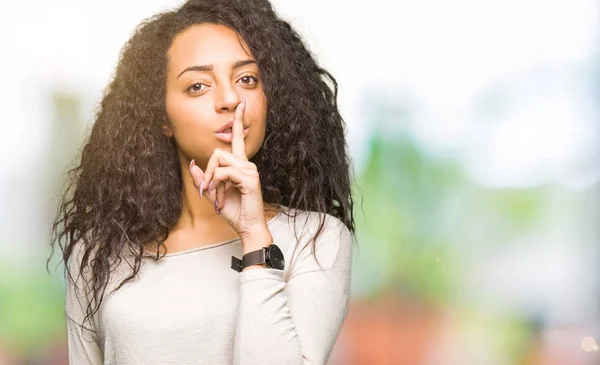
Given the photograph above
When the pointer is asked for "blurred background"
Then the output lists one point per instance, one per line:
(474, 127)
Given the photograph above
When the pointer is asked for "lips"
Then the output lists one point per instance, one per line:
(225, 133)
(228, 127)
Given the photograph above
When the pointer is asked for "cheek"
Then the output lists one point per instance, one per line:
(178, 112)
(187, 115)
(190, 124)
(257, 113)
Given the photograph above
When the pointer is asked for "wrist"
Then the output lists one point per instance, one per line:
(256, 239)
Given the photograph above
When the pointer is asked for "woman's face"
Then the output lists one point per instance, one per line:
(208, 72)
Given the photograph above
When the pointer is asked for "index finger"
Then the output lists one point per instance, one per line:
(238, 145)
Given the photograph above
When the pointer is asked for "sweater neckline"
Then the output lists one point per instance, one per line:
(270, 222)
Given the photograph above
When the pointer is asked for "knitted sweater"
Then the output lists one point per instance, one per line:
(191, 307)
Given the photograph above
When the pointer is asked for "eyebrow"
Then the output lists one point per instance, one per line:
(238, 64)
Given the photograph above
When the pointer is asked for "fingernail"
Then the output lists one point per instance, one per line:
(201, 188)
(192, 163)
(210, 186)
(216, 206)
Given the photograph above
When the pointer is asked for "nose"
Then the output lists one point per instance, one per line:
(227, 99)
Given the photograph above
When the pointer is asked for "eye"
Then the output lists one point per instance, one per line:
(197, 87)
(249, 80)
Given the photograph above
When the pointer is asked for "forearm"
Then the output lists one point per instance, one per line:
(295, 321)
(265, 332)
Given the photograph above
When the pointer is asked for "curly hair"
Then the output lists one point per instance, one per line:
(126, 190)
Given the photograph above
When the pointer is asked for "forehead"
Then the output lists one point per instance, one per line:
(207, 44)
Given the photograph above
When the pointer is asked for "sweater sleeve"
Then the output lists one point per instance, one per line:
(82, 345)
(298, 321)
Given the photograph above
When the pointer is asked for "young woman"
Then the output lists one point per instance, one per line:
(210, 220)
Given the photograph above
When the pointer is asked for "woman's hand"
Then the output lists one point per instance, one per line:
(232, 184)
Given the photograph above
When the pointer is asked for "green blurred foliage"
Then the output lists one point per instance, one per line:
(403, 234)
(421, 217)
(32, 307)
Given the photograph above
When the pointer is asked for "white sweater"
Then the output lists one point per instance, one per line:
(192, 308)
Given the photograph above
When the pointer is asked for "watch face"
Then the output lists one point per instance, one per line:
(274, 257)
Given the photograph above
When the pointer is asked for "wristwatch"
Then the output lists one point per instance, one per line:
(270, 256)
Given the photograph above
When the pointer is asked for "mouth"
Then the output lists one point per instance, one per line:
(228, 127)
(227, 134)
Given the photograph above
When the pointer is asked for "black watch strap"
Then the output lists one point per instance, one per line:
(251, 258)
(236, 264)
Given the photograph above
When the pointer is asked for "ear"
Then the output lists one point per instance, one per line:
(167, 131)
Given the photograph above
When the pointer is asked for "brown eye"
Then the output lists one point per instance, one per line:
(197, 87)
(249, 80)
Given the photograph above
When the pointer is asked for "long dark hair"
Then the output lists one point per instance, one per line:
(127, 189)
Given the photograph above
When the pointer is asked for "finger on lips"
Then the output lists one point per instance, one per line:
(238, 146)
(235, 163)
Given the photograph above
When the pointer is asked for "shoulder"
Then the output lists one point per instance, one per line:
(303, 241)
(87, 252)
(81, 256)
(308, 222)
